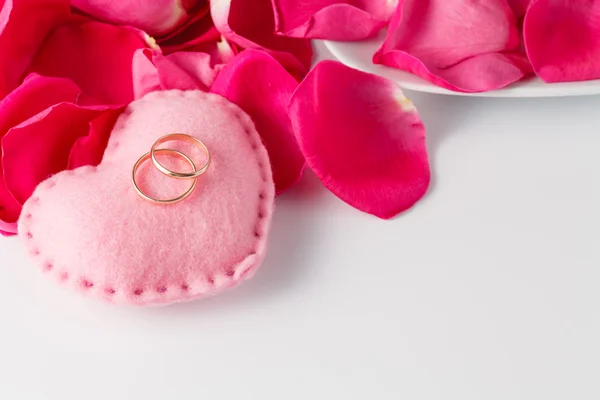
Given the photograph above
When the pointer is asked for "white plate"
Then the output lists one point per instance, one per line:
(359, 55)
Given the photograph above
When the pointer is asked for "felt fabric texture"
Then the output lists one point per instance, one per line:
(88, 229)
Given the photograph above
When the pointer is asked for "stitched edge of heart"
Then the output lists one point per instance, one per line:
(193, 287)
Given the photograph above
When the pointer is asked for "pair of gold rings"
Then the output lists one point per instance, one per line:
(154, 151)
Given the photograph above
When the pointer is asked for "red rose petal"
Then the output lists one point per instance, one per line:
(198, 31)
(262, 88)
(199, 14)
(89, 149)
(562, 38)
(332, 19)
(29, 158)
(460, 45)
(362, 138)
(96, 56)
(36, 94)
(41, 146)
(10, 209)
(24, 26)
(251, 24)
(519, 7)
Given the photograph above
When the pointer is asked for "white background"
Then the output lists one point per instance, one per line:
(487, 289)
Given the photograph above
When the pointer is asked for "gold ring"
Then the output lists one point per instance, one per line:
(158, 201)
(185, 138)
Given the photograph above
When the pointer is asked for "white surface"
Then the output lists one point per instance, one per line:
(487, 289)
(359, 55)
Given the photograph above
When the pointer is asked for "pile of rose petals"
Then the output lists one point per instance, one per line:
(462, 45)
(69, 68)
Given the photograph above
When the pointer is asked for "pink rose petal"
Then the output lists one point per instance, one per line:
(219, 49)
(562, 38)
(251, 24)
(332, 19)
(362, 138)
(461, 45)
(11, 230)
(262, 87)
(185, 71)
(221, 52)
(145, 73)
(24, 26)
(196, 65)
(153, 16)
(96, 56)
(41, 146)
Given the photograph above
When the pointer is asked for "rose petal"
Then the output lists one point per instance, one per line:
(199, 30)
(251, 24)
(362, 138)
(10, 209)
(199, 35)
(332, 19)
(155, 16)
(196, 65)
(185, 71)
(11, 230)
(35, 94)
(172, 76)
(220, 51)
(262, 88)
(41, 146)
(519, 7)
(145, 73)
(89, 149)
(96, 56)
(460, 45)
(24, 26)
(562, 38)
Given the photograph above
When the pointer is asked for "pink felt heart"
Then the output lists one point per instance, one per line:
(90, 230)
